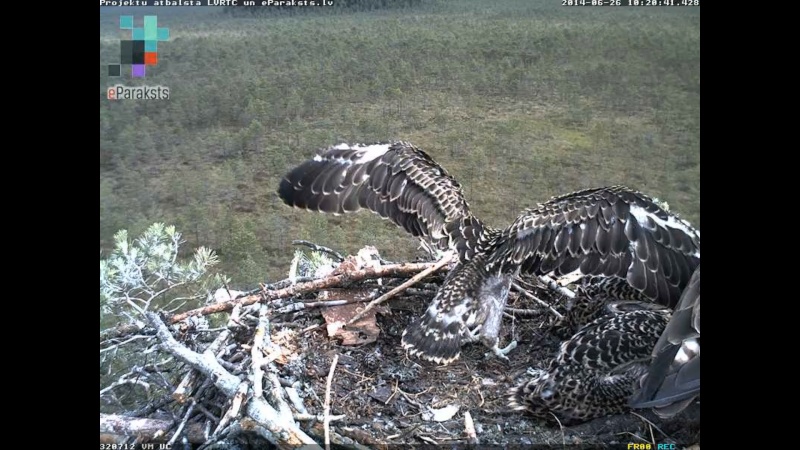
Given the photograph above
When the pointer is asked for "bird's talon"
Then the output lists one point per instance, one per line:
(502, 352)
(473, 335)
(508, 348)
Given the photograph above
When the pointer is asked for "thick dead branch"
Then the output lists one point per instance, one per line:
(257, 352)
(297, 402)
(234, 410)
(185, 387)
(396, 270)
(145, 429)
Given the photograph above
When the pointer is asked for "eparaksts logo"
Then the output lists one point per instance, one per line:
(120, 92)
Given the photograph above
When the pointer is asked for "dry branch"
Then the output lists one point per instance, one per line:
(344, 441)
(438, 265)
(257, 352)
(319, 248)
(326, 423)
(554, 286)
(236, 407)
(183, 423)
(145, 429)
(469, 429)
(285, 433)
(121, 330)
(537, 300)
(185, 387)
(391, 271)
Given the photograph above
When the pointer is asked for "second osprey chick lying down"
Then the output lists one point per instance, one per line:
(608, 231)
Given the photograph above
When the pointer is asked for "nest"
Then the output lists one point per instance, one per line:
(318, 361)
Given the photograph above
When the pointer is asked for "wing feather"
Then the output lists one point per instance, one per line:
(673, 378)
(398, 181)
(633, 237)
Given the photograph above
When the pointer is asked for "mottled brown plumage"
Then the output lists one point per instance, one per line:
(611, 231)
(594, 372)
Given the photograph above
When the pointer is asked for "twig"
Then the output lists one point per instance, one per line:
(561, 427)
(427, 439)
(182, 424)
(410, 282)
(208, 414)
(327, 420)
(297, 402)
(297, 306)
(522, 312)
(281, 284)
(318, 418)
(469, 428)
(312, 328)
(652, 425)
(115, 346)
(554, 286)
(124, 380)
(319, 248)
(541, 302)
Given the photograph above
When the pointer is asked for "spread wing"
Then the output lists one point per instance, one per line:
(398, 181)
(610, 231)
(673, 379)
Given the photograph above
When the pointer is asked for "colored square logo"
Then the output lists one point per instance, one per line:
(151, 27)
(142, 48)
(137, 70)
(125, 22)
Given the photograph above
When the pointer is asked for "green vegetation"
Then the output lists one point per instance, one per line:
(519, 100)
(146, 274)
(138, 276)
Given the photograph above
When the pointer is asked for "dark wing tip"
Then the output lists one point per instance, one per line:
(671, 393)
(286, 192)
(673, 378)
